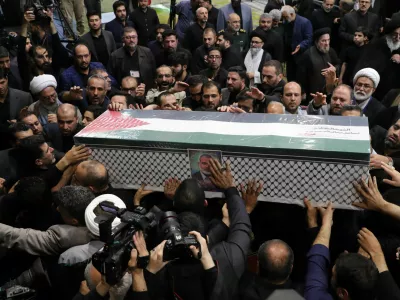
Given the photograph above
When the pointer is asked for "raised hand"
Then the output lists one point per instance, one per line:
(221, 178)
(372, 198)
(113, 106)
(255, 93)
(140, 90)
(170, 187)
(326, 214)
(140, 193)
(179, 86)
(250, 194)
(391, 171)
(319, 99)
(52, 118)
(77, 154)
(76, 93)
(312, 214)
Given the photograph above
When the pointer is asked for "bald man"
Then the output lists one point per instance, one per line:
(276, 108)
(194, 34)
(67, 119)
(291, 99)
(240, 36)
(92, 174)
(275, 264)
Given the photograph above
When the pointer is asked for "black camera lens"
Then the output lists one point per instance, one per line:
(168, 225)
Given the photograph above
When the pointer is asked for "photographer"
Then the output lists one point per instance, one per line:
(188, 278)
(37, 61)
(133, 280)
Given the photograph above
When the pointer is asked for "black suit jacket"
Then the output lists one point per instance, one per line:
(349, 25)
(373, 108)
(117, 29)
(18, 100)
(145, 24)
(147, 65)
(108, 37)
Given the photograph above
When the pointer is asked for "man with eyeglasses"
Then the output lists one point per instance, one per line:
(193, 100)
(365, 83)
(214, 71)
(352, 20)
(133, 60)
(165, 82)
(383, 55)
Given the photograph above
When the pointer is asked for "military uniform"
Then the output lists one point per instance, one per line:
(240, 39)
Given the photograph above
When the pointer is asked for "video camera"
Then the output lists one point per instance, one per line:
(112, 259)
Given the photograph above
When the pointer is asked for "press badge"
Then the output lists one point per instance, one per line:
(135, 74)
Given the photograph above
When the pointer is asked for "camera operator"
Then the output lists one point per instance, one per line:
(133, 279)
(37, 61)
(190, 280)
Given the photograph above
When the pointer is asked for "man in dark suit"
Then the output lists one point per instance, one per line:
(203, 176)
(297, 38)
(116, 26)
(101, 42)
(354, 19)
(133, 60)
(11, 102)
(145, 20)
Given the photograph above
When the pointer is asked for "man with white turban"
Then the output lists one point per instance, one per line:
(43, 88)
(365, 83)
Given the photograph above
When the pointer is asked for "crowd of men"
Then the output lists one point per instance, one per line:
(340, 59)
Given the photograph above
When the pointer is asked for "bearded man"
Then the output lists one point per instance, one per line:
(366, 81)
(316, 63)
(383, 55)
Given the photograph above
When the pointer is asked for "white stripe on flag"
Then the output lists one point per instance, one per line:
(359, 133)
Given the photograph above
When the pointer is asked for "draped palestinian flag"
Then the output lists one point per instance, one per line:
(295, 156)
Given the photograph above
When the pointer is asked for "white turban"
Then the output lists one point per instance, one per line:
(39, 83)
(369, 73)
(90, 215)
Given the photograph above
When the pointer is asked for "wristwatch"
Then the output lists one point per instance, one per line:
(142, 262)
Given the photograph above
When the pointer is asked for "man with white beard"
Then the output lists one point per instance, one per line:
(316, 63)
(366, 82)
(383, 55)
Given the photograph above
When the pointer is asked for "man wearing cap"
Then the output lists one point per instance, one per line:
(316, 63)
(383, 55)
(365, 83)
(255, 58)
